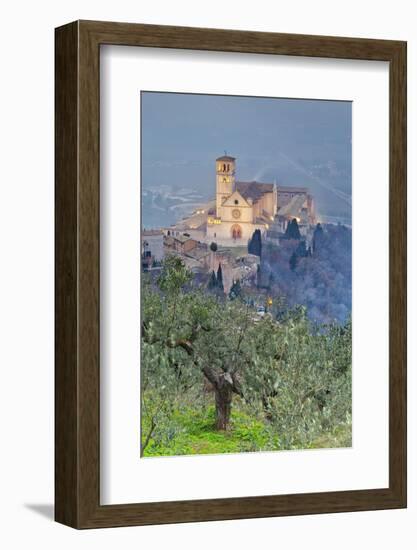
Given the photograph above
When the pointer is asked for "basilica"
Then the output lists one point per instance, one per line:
(241, 207)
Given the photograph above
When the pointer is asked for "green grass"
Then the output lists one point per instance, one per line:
(192, 432)
(195, 433)
(340, 437)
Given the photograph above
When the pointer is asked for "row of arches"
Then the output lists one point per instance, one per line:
(224, 167)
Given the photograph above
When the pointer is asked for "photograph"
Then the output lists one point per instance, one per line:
(209, 255)
(246, 274)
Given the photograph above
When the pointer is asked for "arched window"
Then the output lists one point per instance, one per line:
(236, 201)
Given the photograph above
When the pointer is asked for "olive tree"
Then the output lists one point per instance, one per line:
(286, 369)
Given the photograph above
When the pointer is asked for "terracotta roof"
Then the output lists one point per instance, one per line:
(180, 238)
(289, 189)
(198, 253)
(183, 238)
(253, 189)
(226, 157)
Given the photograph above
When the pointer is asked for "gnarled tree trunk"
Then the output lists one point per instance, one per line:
(223, 392)
(223, 384)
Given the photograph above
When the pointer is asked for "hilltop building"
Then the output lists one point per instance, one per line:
(241, 207)
(295, 202)
(181, 243)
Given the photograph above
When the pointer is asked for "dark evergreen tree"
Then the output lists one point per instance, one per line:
(293, 231)
(220, 278)
(212, 281)
(301, 250)
(318, 236)
(255, 243)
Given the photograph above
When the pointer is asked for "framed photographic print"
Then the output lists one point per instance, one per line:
(230, 274)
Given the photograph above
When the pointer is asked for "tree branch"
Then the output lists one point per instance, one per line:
(148, 437)
(211, 375)
(237, 386)
(181, 343)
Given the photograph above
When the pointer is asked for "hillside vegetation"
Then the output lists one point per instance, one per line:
(319, 276)
(218, 378)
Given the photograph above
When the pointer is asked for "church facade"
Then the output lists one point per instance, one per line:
(241, 207)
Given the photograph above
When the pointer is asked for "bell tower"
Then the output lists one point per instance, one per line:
(225, 180)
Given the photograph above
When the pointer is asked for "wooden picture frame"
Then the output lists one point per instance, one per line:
(77, 374)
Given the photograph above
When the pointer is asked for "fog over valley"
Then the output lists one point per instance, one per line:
(290, 142)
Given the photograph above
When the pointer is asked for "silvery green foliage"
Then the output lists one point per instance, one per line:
(292, 375)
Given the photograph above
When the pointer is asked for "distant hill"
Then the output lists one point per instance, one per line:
(163, 206)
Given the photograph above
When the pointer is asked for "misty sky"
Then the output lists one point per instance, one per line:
(292, 142)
